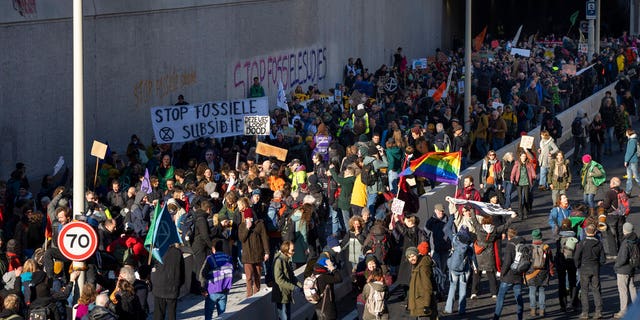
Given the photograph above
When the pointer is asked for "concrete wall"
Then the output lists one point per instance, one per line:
(140, 54)
(590, 105)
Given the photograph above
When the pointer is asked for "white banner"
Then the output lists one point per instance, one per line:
(257, 125)
(521, 52)
(486, 208)
(218, 119)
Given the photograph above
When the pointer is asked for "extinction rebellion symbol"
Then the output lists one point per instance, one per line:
(166, 134)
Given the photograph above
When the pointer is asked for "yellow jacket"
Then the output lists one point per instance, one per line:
(359, 193)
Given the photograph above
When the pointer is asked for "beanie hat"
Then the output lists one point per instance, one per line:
(586, 158)
(536, 234)
(255, 192)
(423, 248)
(332, 242)
(463, 235)
(410, 251)
(627, 227)
(364, 151)
(370, 257)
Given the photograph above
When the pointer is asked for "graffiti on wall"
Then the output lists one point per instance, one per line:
(296, 67)
(26, 8)
(163, 85)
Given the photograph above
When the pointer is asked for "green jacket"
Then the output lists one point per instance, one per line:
(559, 183)
(420, 288)
(590, 173)
(285, 278)
(394, 158)
(346, 186)
(256, 91)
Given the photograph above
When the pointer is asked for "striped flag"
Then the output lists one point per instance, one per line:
(439, 166)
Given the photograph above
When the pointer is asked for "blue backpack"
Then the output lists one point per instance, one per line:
(459, 256)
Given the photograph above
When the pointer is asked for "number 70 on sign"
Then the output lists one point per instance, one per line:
(77, 241)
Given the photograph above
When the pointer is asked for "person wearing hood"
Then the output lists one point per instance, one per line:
(565, 266)
(459, 263)
(327, 277)
(588, 258)
(286, 282)
(625, 271)
(297, 175)
(487, 249)
(615, 220)
(538, 276)
(510, 279)
(255, 246)
(139, 215)
(631, 159)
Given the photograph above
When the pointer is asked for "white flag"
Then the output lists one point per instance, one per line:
(486, 208)
(282, 97)
(58, 165)
(446, 90)
(514, 42)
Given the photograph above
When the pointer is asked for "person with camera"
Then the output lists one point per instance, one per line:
(328, 276)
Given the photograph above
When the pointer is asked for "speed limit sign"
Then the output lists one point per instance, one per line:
(77, 241)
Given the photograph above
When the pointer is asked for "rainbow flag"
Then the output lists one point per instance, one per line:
(439, 166)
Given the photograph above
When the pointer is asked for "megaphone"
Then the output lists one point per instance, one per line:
(602, 225)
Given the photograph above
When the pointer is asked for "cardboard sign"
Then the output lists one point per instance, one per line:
(526, 142)
(268, 150)
(99, 149)
(397, 206)
(257, 125)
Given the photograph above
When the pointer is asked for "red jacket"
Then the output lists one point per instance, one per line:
(515, 173)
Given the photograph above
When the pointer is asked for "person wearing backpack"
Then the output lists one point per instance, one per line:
(627, 263)
(376, 294)
(565, 266)
(631, 159)
(616, 217)
(286, 282)
(537, 277)
(326, 277)
(460, 262)
(588, 257)
(592, 176)
(215, 282)
(510, 278)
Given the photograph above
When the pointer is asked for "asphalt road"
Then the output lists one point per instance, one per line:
(484, 306)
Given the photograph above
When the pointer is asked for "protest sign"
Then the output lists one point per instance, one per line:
(220, 119)
(257, 125)
(569, 69)
(419, 63)
(99, 149)
(526, 142)
(521, 52)
(397, 206)
(269, 150)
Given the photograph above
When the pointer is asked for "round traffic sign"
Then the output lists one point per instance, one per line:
(77, 241)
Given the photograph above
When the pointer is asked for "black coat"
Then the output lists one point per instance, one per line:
(327, 305)
(166, 278)
(622, 261)
(508, 256)
(589, 255)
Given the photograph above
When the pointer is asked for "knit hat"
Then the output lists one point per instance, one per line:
(370, 257)
(536, 234)
(411, 251)
(627, 228)
(255, 192)
(463, 235)
(586, 158)
(364, 151)
(423, 248)
(332, 242)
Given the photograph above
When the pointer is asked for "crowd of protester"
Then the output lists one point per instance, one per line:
(328, 205)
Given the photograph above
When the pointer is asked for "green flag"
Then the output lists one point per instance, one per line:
(573, 17)
(149, 239)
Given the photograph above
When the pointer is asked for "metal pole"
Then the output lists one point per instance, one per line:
(590, 40)
(78, 117)
(467, 66)
(597, 38)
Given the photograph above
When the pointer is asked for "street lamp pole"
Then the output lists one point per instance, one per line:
(467, 66)
(78, 118)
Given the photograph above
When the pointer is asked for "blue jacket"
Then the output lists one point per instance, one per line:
(557, 215)
(631, 155)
